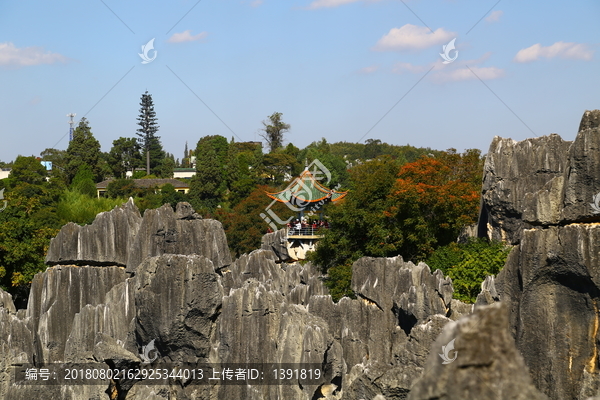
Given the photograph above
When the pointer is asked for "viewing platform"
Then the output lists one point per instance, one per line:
(307, 232)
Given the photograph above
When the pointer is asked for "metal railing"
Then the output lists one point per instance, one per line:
(305, 231)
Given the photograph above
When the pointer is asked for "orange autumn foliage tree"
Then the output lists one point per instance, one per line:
(432, 200)
(399, 209)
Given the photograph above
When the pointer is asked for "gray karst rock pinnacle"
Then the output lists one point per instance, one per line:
(167, 278)
(551, 280)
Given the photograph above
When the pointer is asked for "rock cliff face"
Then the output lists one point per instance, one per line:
(551, 281)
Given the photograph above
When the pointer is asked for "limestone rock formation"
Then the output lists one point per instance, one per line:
(255, 310)
(167, 279)
(121, 237)
(485, 362)
(105, 242)
(276, 242)
(164, 231)
(551, 280)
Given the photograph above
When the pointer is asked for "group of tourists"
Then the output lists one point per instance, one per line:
(304, 226)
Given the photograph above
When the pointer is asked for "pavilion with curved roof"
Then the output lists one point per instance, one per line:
(306, 193)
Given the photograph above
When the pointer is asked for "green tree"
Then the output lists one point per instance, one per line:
(122, 187)
(124, 156)
(432, 200)
(279, 167)
(167, 166)
(336, 165)
(243, 171)
(170, 195)
(408, 211)
(274, 129)
(185, 161)
(26, 170)
(84, 181)
(209, 184)
(83, 149)
(468, 264)
(147, 133)
(205, 186)
(26, 225)
(358, 223)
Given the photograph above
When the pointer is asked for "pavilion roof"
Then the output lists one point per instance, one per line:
(306, 189)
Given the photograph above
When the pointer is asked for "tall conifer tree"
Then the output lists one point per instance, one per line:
(148, 128)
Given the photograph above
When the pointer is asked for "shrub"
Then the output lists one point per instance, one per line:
(82, 209)
(468, 264)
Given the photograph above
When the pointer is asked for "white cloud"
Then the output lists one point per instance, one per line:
(402, 67)
(412, 37)
(465, 74)
(495, 16)
(576, 51)
(27, 56)
(186, 36)
(369, 70)
(256, 3)
(453, 72)
(329, 3)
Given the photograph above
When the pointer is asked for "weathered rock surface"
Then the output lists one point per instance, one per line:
(540, 182)
(487, 364)
(121, 237)
(163, 232)
(255, 310)
(105, 242)
(188, 293)
(511, 171)
(551, 281)
(276, 242)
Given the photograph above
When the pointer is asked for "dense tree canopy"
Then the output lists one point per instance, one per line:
(406, 210)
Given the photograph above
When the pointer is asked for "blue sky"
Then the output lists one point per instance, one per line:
(334, 68)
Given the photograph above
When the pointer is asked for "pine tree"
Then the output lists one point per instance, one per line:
(148, 128)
